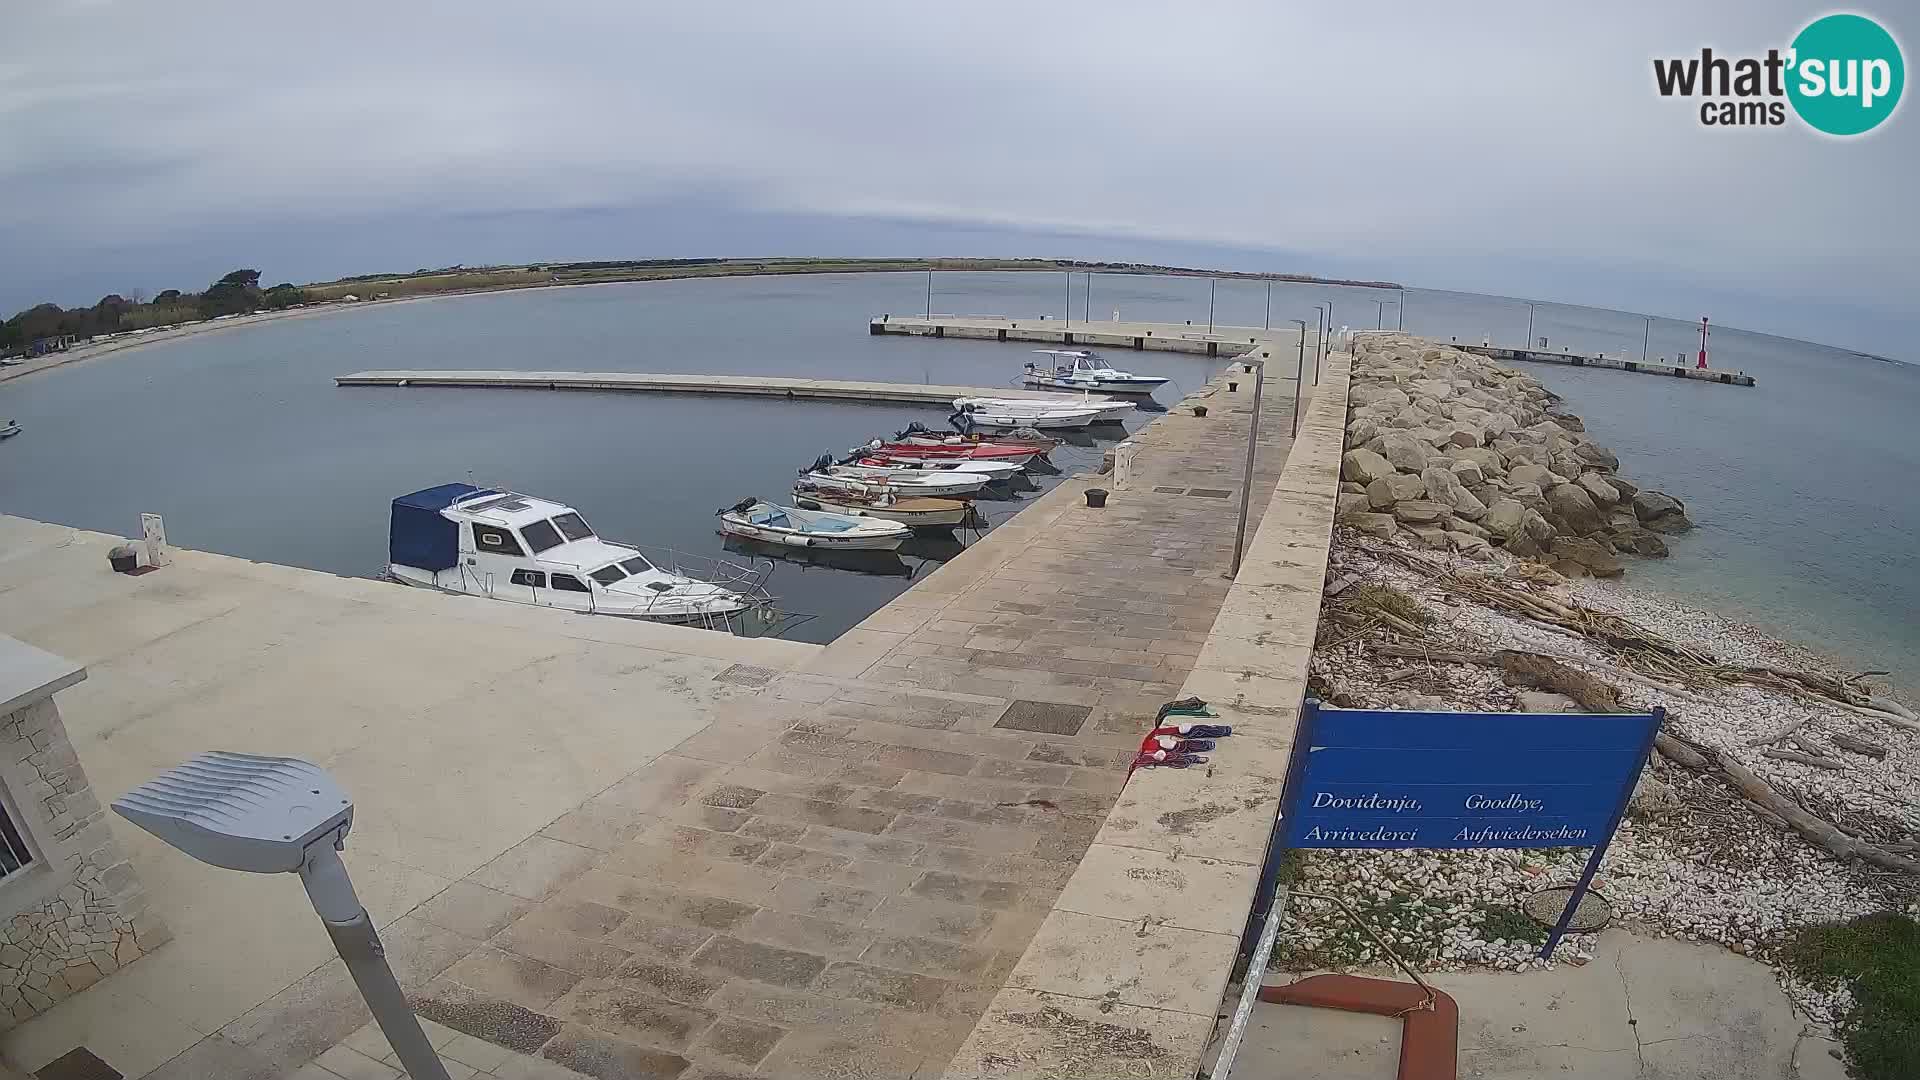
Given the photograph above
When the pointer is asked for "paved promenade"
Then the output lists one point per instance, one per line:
(781, 860)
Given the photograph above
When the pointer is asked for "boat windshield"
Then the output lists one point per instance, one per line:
(609, 574)
(540, 536)
(573, 527)
(635, 565)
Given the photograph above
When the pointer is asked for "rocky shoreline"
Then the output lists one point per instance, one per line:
(1474, 515)
(1456, 452)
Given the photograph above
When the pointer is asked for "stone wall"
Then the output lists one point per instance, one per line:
(77, 912)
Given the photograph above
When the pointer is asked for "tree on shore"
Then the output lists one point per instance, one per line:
(237, 293)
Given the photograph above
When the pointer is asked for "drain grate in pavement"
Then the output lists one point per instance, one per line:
(77, 1064)
(746, 675)
(1045, 717)
(1171, 490)
(1210, 493)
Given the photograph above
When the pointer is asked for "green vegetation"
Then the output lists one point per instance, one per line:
(240, 293)
(1498, 921)
(1392, 601)
(50, 325)
(1877, 957)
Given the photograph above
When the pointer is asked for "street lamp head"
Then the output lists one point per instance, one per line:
(242, 811)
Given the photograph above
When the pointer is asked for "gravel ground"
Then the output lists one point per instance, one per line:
(1693, 860)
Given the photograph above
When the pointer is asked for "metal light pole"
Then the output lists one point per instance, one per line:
(929, 293)
(1267, 319)
(1210, 284)
(1646, 334)
(1246, 479)
(1529, 326)
(1066, 292)
(1323, 323)
(1299, 365)
(1403, 311)
(1086, 302)
(275, 815)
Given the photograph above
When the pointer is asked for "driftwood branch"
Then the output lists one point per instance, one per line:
(1815, 760)
(1814, 829)
(1859, 746)
(1678, 752)
(1775, 736)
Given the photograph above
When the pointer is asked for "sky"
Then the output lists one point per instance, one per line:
(1511, 148)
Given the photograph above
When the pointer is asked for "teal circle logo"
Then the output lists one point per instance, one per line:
(1846, 74)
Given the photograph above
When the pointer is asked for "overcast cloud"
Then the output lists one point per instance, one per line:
(1519, 148)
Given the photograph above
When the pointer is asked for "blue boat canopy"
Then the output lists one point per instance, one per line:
(418, 536)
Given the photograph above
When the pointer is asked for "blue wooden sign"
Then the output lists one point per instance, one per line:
(1368, 778)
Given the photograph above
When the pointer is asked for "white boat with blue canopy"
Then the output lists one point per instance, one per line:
(1078, 369)
(794, 527)
(502, 545)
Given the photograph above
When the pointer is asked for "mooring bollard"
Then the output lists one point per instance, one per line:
(1096, 497)
(1199, 410)
(1233, 387)
(123, 559)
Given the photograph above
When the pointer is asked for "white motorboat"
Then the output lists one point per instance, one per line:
(1106, 408)
(794, 527)
(1077, 369)
(993, 470)
(502, 545)
(937, 485)
(1038, 419)
(9, 429)
(877, 501)
(918, 434)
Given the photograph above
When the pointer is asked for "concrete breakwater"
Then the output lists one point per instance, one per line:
(1456, 452)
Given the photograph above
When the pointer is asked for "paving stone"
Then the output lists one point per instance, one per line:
(216, 1058)
(732, 796)
(841, 842)
(477, 1054)
(804, 897)
(582, 956)
(77, 1064)
(512, 977)
(607, 1058)
(964, 834)
(633, 1014)
(471, 910)
(350, 1064)
(794, 810)
(581, 917)
(652, 937)
(927, 956)
(789, 859)
(533, 868)
(836, 940)
(922, 760)
(670, 981)
(940, 885)
(483, 1016)
(931, 918)
(740, 1040)
(884, 986)
(708, 912)
(599, 825)
(762, 963)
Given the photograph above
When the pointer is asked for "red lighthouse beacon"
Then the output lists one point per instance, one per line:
(1702, 365)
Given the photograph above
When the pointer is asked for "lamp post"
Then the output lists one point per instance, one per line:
(929, 292)
(275, 815)
(1066, 294)
(1402, 315)
(1266, 320)
(1529, 342)
(1323, 323)
(1086, 301)
(1379, 313)
(1211, 282)
(1253, 440)
(1646, 334)
(1299, 366)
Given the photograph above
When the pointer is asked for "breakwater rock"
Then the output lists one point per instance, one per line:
(1454, 451)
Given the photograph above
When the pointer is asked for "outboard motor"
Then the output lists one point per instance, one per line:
(962, 420)
(824, 461)
(740, 507)
(914, 428)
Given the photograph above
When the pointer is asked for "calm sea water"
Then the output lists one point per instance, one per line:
(243, 443)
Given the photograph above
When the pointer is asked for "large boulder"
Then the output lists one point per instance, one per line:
(1522, 453)
(1406, 452)
(1350, 504)
(1463, 436)
(1420, 512)
(1348, 487)
(1604, 494)
(1573, 509)
(1432, 536)
(1364, 466)
(1594, 454)
(1468, 473)
(1360, 429)
(1648, 505)
(1538, 475)
(1387, 490)
(1504, 518)
(1378, 393)
(1489, 459)
(1444, 487)
(1530, 496)
(1380, 525)
(1574, 555)
(1473, 547)
(1651, 546)
(1626, 488)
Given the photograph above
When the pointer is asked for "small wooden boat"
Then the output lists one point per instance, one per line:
(1003, 418)
(1104, 408)
(938, 482)
(789, 525)
(873, 563)
(996, 470)
(977, 451)
(917, 434)
(9, 429)
(881, 502)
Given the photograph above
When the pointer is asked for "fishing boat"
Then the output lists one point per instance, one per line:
(881, 502)
(502, 545)
(1000, 417)
(753, 519)
(872, 563)
(1016, 455)
(9, 429)
(994, 470)
(918, 434)
(941, 483)
(1077, 369)
(1104, 408)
